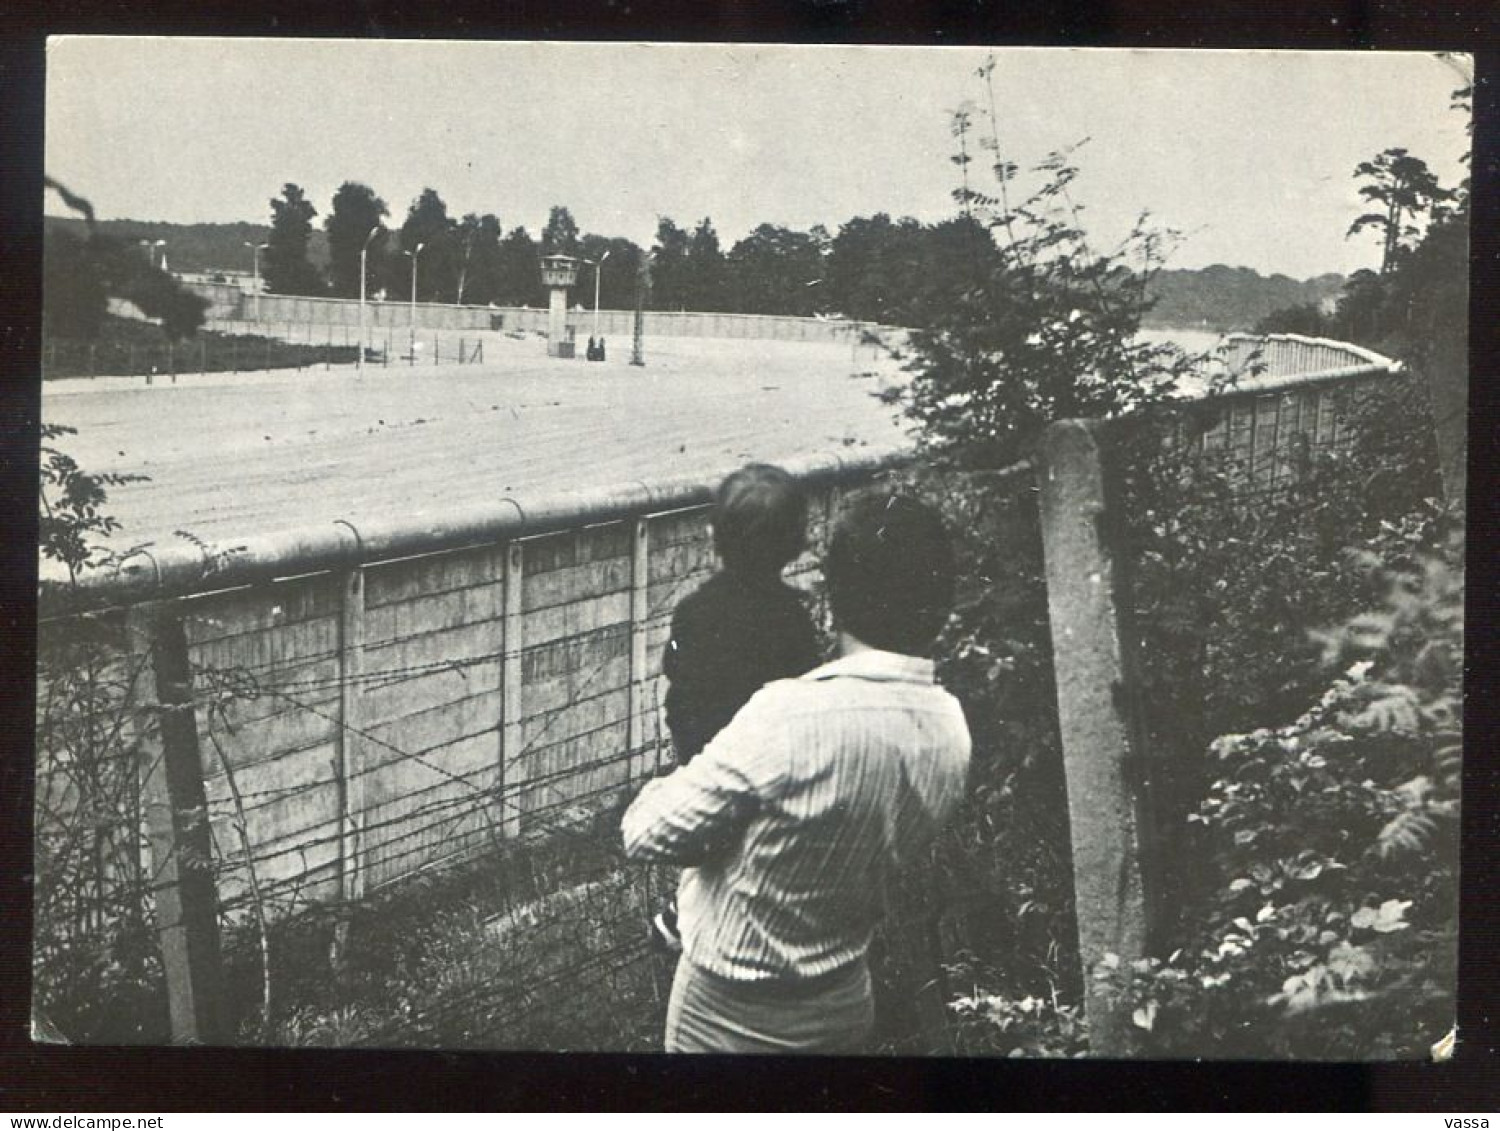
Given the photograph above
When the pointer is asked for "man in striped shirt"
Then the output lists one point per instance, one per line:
(794, 819)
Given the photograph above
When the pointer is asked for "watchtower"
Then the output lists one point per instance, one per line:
(559, 272)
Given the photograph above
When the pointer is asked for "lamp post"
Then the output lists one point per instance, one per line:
(413, 318)
(255, 250)
(363, 252)
(598, 273)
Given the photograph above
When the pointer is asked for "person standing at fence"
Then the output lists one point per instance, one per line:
(793, 820)
(742, 628)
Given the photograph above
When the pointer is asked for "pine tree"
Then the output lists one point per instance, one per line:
(1407, 191)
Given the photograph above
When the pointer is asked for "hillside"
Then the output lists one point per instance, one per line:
(193, 247)
(1231, 298)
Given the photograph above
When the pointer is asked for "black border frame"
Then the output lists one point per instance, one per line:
(49, 1078)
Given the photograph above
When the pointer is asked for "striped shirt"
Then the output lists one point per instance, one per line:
(794, 818)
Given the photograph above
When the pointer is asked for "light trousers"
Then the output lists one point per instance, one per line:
(832, 1014)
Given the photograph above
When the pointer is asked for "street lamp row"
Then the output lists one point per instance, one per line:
(364, 252)
(413, 253)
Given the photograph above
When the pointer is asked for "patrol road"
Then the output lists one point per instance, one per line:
(234, 456)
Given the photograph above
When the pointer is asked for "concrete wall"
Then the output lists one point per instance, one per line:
(1270, 433)
(408, 698)
(462, 700)
(229, 302)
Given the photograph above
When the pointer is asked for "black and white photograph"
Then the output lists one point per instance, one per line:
(751, 548)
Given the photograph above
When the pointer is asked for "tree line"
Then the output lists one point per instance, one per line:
(873, 268)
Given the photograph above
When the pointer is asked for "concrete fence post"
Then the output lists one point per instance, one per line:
(351, 754)
(1104, 754)
(510, 692)
(176, 810)
(640, 587)
(352, 747)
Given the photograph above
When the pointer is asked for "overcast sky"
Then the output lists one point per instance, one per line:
(1249, 155)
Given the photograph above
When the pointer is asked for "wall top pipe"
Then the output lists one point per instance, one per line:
(187, 569)
(345, 542)
(1357, 354)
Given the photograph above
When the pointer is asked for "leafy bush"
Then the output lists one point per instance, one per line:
(1227, 576)
(97, 970)
(993, 1025)
(1225, 573)
(1224, 582)
(1332, 927)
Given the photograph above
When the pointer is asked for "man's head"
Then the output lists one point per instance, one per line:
(760, 519)
(890, 572)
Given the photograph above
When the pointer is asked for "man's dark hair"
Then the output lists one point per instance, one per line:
(760, 519)
(890, 572)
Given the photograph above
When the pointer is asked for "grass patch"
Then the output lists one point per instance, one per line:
(542, 946)
(128, 347)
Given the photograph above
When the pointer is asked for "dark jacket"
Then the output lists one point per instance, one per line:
(731, 637)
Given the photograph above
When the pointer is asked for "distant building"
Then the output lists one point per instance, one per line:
(242, 279)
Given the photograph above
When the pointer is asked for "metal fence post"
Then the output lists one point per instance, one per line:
(510, 692)
(176, 811)
(1104, 754)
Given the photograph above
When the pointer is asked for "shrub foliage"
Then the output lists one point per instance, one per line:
(1308, 859)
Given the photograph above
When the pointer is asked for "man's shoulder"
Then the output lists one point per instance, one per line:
(827, 685)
